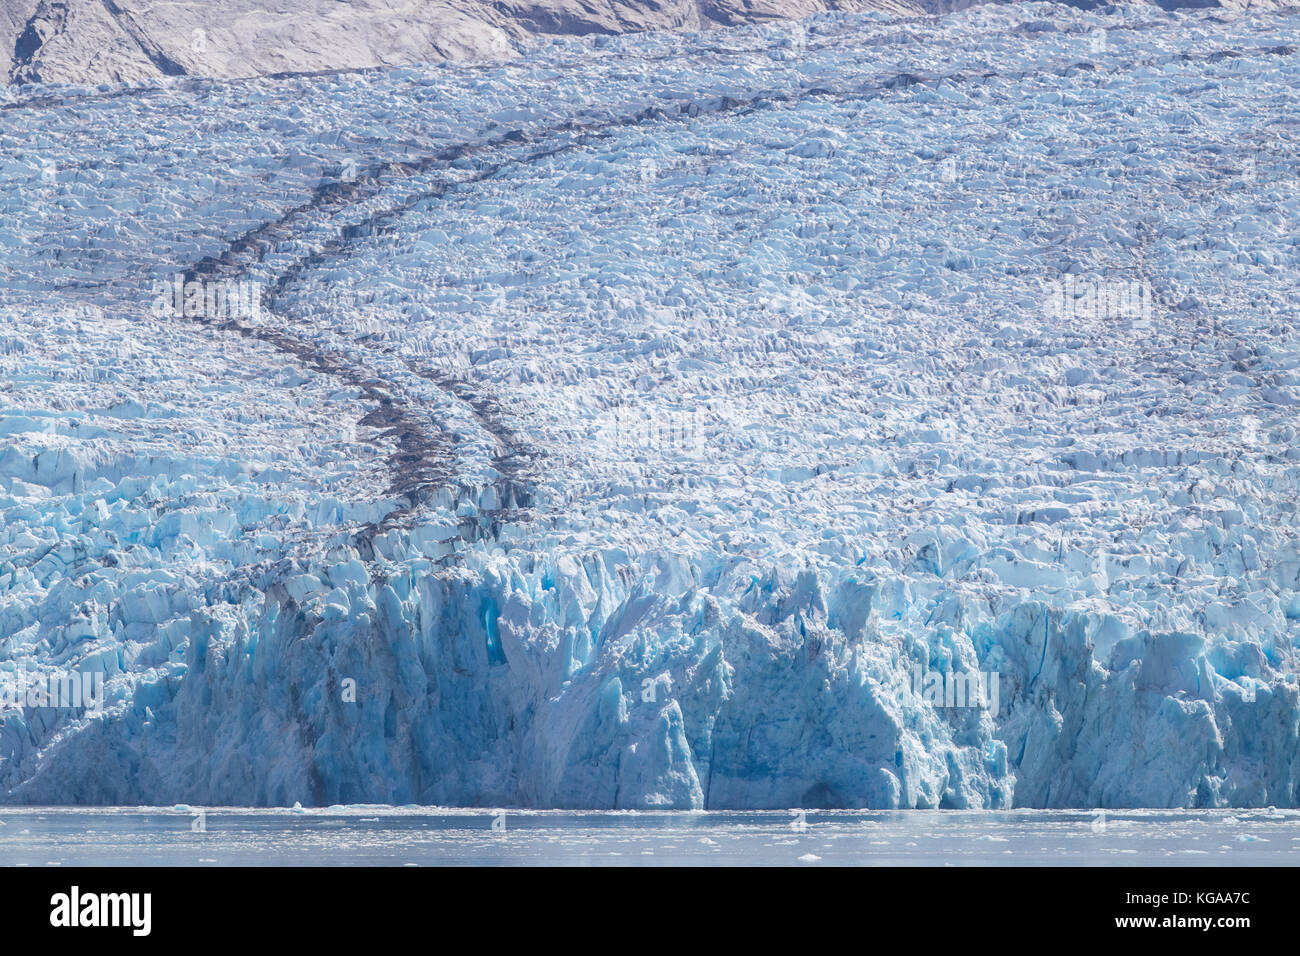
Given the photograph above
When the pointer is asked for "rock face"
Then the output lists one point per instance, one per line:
(124, 41)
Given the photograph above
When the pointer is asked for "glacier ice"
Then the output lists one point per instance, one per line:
(642, 414)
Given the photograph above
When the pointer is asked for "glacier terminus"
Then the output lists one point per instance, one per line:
(864, 412)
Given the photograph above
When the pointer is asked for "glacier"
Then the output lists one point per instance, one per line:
(626, 423)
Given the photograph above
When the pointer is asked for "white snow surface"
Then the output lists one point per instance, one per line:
(644, 412)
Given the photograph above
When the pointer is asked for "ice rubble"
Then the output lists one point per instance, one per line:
(745, 405)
